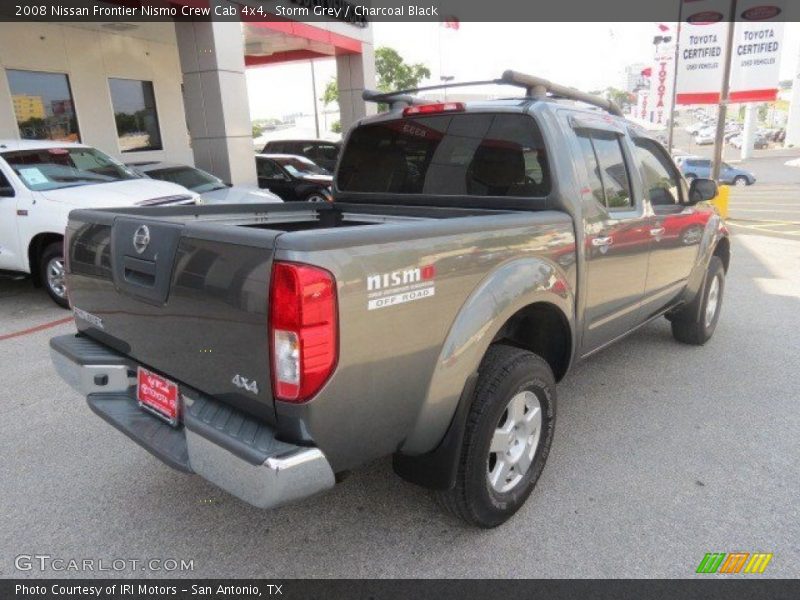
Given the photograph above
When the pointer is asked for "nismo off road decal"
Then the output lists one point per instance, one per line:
(399, 287)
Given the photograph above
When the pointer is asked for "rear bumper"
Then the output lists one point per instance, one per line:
(228, 448)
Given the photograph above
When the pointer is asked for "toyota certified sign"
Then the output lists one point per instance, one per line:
(755, 60)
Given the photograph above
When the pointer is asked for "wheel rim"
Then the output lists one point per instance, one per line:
(514, 442)
(713, 301)
(316, 198)
(55, 277)
(740, 181)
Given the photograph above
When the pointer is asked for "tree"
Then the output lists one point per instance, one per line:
(393, 74)
(620, 97)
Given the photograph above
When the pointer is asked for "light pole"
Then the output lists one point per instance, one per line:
(314, 93)
(445, 79)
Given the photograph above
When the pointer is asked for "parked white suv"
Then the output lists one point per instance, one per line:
(42, 181)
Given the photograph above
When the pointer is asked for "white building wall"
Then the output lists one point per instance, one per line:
(90, 55)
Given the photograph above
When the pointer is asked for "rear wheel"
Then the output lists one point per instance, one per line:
(696, 323)
(52, 273)
(507, 439)
(316, 197)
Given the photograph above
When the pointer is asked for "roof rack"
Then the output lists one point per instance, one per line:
(535, 87)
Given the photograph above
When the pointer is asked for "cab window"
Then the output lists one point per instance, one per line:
(661, 180)
(605, 165)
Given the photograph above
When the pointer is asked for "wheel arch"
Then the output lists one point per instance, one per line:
(536, 301)
(35, 248)
(723, 250)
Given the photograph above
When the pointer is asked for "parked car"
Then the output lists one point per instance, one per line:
(704, 137)
(41, 181)
(321, 152)
(426, 314)
(701, 168)
(695, 127)
(293, 177)
(759, 141)
(680, 157)
(212, 189)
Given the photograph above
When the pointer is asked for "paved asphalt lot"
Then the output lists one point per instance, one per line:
(663, 452)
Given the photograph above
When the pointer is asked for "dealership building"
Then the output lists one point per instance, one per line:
(173, 91)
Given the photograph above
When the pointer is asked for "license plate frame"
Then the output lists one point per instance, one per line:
(158, 395)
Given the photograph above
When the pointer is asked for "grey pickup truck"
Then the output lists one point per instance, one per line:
(473, 253)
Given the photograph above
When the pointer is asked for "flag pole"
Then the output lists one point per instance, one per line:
(675, 79)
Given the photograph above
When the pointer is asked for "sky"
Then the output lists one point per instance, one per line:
(584, 55)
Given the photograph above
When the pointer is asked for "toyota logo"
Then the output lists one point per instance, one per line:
(141, 239)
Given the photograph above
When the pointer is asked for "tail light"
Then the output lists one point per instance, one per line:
(303, 330)
(429, 109)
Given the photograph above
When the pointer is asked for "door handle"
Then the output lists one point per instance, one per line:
(602, 241)
(656, 231)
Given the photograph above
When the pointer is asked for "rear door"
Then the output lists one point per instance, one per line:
(616, 238)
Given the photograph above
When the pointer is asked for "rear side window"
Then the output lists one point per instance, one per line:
(459, 155)
(605, 165)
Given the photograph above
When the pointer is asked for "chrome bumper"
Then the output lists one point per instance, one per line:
(256, 467)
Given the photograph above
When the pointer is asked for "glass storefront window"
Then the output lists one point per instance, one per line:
(43, 106)
(135, 114)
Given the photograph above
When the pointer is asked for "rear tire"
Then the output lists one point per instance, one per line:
(316, 197)
(696, 323)
(52, 273)
(508, 435)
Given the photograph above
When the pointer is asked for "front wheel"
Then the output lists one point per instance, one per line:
(508, 435)
(52, 273)
(696, 323)
(740, 181)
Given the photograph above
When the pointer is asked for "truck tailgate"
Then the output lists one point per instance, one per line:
(182, 298)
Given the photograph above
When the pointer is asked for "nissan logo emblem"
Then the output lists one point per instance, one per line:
(141, 239)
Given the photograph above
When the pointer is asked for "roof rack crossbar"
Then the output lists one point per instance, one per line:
(538, 87)
(535, 87)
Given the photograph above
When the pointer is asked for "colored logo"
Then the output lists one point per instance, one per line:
(734, 562)
(761, 13)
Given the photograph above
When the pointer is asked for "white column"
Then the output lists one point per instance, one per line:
(215, 96)
(354, 73)
(793, 124)
(749, 131)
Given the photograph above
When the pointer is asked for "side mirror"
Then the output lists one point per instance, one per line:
(6, 191)
(702, 190)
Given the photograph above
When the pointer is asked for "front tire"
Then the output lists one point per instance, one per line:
(740, 181)
(53, 274)
(508, 435)
(696, 323)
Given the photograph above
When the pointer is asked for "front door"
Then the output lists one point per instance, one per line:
(616, 240)
(676, 230)
(271, 176)
(10, 253)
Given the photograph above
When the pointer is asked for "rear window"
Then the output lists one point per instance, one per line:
(459, 155)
